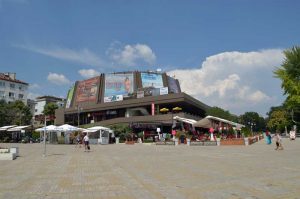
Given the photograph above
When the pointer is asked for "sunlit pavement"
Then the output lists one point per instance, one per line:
(148, 171)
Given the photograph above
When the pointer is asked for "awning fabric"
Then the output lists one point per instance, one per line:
(18, 128)
(189, 121)
(207, 122)
(4, 128)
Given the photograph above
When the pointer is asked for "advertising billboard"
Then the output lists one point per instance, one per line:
(152, 80)
(70, 97)
(117, 85)
(87, 90)
(173, 86)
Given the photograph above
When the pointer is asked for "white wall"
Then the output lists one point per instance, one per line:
(17, 90)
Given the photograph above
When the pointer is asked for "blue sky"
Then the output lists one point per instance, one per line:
(51, 44)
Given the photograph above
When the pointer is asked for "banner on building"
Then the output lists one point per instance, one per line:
(113, 98)
(173, 85)
(70, 97)
(87, 90)
(118, 84)
(152, 80)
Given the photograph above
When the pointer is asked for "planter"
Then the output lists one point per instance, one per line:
(218, 141)
(117, 140)
(176, 140)
(246, 141)
(129, 142)
(188, 141)
(232, 142)
(140, 140)
(14, 150)
(196, 143)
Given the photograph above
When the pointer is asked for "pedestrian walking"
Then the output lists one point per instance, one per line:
(78, 140)
(278, 142)
(86, 142)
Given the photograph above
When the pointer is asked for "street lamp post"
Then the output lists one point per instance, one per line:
(44, 154)
(251, 126)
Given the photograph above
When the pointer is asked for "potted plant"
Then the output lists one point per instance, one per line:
(246, 132)
(188, 138)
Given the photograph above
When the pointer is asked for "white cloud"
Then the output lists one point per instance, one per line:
(82, 56)
(131, 55)
(87, 73)
(34, 86)
(58, 79)
(238, 81)
(32, 96)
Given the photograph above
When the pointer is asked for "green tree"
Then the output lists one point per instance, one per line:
(258, 122)
(289, 74)
(49, 110)
(14, 113)
(278, 120)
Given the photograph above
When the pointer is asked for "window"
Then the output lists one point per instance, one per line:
(21, 96)
(2, 84)
(12, 86)
(11, 95)
(2, 94)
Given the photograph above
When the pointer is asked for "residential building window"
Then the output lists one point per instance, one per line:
(2, 94)
(11, 95)
(12, 86)
(21, 96)
(2, 84)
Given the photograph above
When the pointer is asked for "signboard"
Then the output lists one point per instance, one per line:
(70, 97)
(87, 90)
(118, 84)
(173, 86)
(163, 91)
(140, 94)
(152, 109)
(113, 98)
(152, 80)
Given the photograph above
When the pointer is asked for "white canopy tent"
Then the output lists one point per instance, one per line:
(69, 128)
(103, 134)
(50, 128)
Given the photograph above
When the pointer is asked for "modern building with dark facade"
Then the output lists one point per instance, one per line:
(135, 98)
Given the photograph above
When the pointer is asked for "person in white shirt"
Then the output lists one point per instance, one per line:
(86, 141)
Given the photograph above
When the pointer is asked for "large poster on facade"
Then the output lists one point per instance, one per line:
(152, 80)
(70, 97)
(118, 86)
(87, 90)
(173, 86)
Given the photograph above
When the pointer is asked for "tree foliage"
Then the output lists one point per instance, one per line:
(49, 109)
(14, 113)
(278, 120)
(289, 74)
(258, 122)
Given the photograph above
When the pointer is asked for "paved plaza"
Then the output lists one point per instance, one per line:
(148, 171)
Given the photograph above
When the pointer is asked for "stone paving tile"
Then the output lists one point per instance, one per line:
(142, 171)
